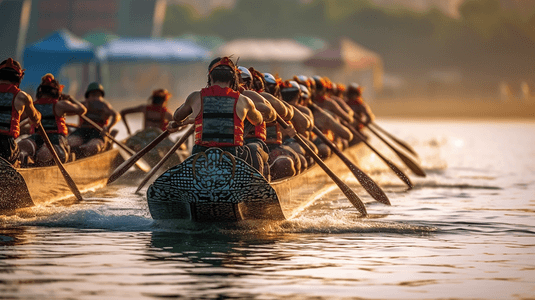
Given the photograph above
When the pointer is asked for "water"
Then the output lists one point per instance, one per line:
(467, 231)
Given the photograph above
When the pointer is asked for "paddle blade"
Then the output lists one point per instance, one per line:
(369, 185)
(66, 176)
(399, 173)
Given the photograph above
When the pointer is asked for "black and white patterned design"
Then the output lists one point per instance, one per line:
(209, 177)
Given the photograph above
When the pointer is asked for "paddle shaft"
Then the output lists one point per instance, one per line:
(415, 168)
(367, 183)
(124, 147)
(166, 157)
(390, 164)
(68, 179)
(351, 196)
(398, 141)
(132, 160)
(126, 125)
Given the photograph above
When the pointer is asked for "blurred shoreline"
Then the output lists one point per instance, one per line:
(448, 108)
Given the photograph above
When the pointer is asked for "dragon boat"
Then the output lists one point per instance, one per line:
(215, 186)
(25, 187)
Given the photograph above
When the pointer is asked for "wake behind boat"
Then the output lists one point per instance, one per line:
(215, 186)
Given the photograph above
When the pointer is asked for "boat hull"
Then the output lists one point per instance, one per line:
(46, 184)
(181, 194)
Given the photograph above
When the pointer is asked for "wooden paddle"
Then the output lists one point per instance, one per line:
(367, 183)
(415, 168)
(390, 164)
(398, 141)
(166, 157)
(126, 126)
(121, 169)
(351, 196)
(142, 164)
(68, 179)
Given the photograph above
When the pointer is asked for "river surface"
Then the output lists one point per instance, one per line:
(466, 231)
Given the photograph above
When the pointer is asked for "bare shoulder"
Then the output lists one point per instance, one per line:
(246, 100)
(194, 96)
(24, 97)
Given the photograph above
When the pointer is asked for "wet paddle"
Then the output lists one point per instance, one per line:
(415, 168)
(68, 179)
(398, 141)
(390, 164)
(166, 157)
(121, 169)
(351, 196)
(367, 183)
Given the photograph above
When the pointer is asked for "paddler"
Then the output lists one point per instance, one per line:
(87, 140)
(255, 136)
(357, 104)
(53, 106)
(284, 146)
(302, 120)
(14, 104)
(282, 160)
(326, 120)
(323, 100)
(155, 114)
(218, 111)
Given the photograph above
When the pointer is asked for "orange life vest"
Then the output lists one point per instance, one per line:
(163, 112)
(9, 116)
(217, 124)
(273, 134)
(51, 122)
(259, 132)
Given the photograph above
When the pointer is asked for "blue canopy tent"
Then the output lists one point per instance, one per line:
(131, 68)
(50, 54)
(152, 50)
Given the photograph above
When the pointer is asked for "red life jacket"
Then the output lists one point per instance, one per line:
(95, 112)
(259, 132)
(273, 134)
(163, 112)
(51, 122)
(355, 102)
(9, 116)
(218, 124)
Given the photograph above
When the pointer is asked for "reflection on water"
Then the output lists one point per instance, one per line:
(465, 232)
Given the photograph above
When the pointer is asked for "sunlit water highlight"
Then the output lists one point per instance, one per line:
(467, 231)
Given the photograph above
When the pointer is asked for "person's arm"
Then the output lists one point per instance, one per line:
(269, 114)
(252, 114)
(278, 105)
(300, 122)
(337, 110)
(67, 107)
(24, 105)
(115, 116)
(343, 105)
(131, 110)
(182, 114)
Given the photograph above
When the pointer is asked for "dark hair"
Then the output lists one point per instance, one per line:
(10, 74)
(47, 90)
(49, 86)
(158, 100)
(259, 83)
(223, 74)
